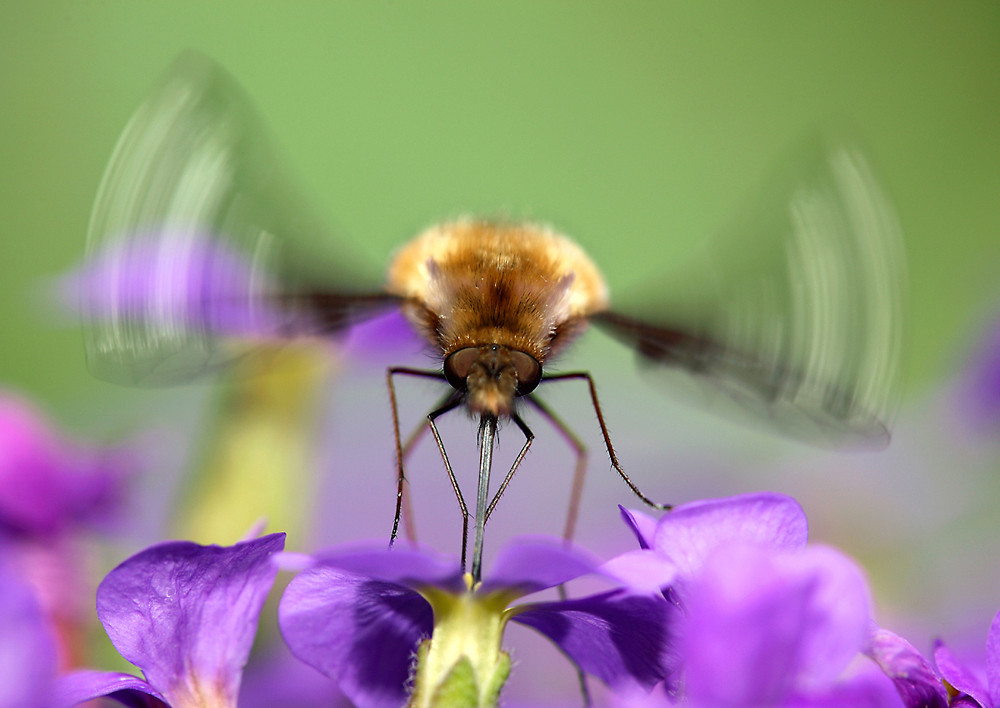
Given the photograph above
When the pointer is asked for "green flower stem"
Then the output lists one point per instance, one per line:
(462, 665)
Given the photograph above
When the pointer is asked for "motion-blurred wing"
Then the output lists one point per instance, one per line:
(798, 316)
(198, 243)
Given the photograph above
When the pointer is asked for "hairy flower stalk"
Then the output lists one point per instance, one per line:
(462, 664)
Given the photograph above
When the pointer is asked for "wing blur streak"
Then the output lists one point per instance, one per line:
(198, 241)
(796, 316)
(199, 247)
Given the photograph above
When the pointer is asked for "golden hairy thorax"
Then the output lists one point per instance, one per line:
(518, 285)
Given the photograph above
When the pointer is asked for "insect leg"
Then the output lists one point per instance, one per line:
(579, 470)
(607, 438)
(528, 437)
(415, 436)
(453, 403)
(400, 476)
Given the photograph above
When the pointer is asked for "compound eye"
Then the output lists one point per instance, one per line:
(529, 371)
(458, 364)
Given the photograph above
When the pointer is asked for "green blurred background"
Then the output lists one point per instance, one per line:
(636, 127)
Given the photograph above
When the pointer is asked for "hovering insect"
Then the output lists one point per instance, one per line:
(197, 240)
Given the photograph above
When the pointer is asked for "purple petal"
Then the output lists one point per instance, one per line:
(636, 697)
(964, 701)
(642, 525)
(128, 690)
(840, 616)
(641, 571)
(362, 633)
(866, 687)
(183, 612)
(689, 532)
(764, 625)
(961, 679)
(622, 639)
(179, 280)
(380, 341)
(48, 482)
(916, 681)
(407, 566)
(528, 565)
(27, 648)
(979, 389)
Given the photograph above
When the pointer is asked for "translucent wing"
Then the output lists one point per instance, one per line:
(198, 243)
(796, 316)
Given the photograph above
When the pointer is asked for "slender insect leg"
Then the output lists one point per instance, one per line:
(579, 470)
(528, 437)
(415, 436)
(400, 477)
(607, 438)
(453, 403)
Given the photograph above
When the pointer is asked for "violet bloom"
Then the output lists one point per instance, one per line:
(49, 483)
(160, 306)
(27, 647)
(361, 616)
(972, 687)
(979, 387)
(186, 615)
(766, 619)
(174, 279)
(916, 680)
(52, 489)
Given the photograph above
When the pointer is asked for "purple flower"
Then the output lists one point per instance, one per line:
(765, 619)
(918, 684)
(690, 532)
(772, 628)
(163, 306)
(685, 537)
(360, 616)
(979, 388)
(51, 489)
(973, 688)
(49, 483)
(186, 615)
(27, 647)
(176, 280)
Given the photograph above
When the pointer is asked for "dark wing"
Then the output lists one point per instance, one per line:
(199, 246)
(797, 316)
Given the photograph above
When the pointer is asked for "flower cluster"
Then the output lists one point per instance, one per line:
(724, 603)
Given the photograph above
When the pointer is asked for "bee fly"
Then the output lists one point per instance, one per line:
(197, 240)
(496, 301)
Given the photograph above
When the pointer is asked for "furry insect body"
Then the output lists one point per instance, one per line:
(487, 294)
